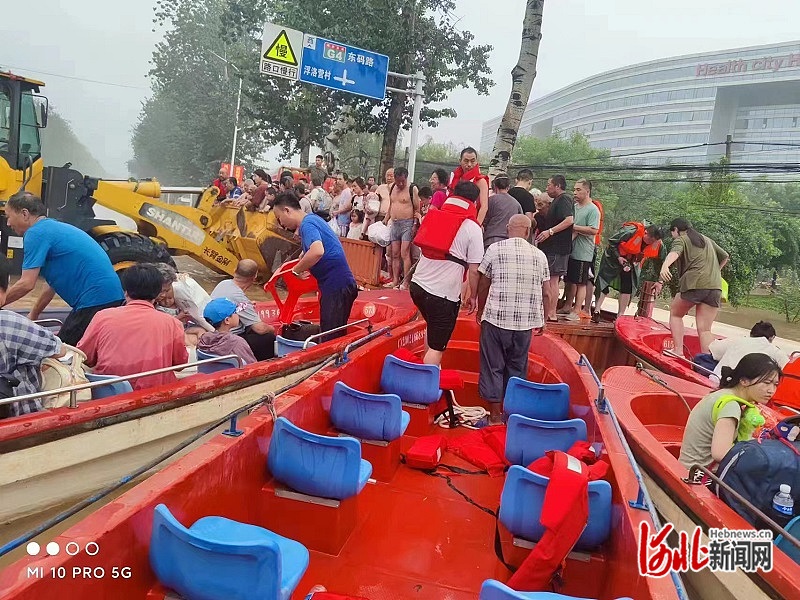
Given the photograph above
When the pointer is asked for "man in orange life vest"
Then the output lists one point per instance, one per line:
(621, 264)
(436, 282)
(468, 169)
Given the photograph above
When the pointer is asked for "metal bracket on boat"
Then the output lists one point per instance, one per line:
(342, 328)
(600, 401)
(360, 342)
(74, 389)
(233, 430)
(640, 501)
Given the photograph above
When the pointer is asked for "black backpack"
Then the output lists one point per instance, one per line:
(299, 331)
(756, 469)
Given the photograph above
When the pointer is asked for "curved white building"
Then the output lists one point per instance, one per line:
(751, 94)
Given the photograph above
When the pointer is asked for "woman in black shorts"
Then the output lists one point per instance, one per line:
(700, 261)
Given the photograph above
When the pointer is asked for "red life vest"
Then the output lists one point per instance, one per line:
(565, 513)
(439, 229)
(634, 246)
(474, 175)
(599, 235)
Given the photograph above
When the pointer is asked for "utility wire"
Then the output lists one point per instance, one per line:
(121, 85)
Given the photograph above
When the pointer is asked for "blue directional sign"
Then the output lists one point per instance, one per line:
(345, 68)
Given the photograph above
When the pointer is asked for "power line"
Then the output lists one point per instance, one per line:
(121, 85)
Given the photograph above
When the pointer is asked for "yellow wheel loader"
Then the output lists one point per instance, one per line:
(216, 236)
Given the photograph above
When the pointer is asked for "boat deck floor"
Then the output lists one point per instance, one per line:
(417, 538)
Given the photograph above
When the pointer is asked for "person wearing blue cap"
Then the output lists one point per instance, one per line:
(223, 316)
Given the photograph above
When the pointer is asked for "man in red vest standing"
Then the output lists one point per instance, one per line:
(468, 169)
(436, 282)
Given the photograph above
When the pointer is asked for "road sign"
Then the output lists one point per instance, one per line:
(344, 68)
(280, 51)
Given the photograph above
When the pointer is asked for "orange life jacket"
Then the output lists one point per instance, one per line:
(439, 229)
(634, 246)
(599, 235)
(474, 175)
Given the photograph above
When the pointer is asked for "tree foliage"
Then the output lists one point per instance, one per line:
(185, 129)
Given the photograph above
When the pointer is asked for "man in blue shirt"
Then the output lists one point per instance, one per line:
(324, 257)
(74, 266)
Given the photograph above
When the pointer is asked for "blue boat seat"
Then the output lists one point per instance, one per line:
(112, 389)
(368, 416)
(317, 465)
(521, 508)
(793, 528)
(284, 346)
(414, 383)
(529, 439)
(544, 401)
(220, 559)
(215, 367)
(494, 590)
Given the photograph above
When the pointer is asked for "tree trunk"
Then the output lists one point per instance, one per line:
(522, 76)
(305, 146)
(392, 131)
(333, 140)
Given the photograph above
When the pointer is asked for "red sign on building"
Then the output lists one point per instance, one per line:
(238, 171)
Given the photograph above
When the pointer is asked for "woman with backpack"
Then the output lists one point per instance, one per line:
(700, 262)
(729, 414)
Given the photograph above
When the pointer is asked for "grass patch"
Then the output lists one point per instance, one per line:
(764, 302)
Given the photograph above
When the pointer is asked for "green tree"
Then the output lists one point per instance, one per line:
(61, 145)
(572, 157)
(722, 212)
(419, 35)
(185, 130)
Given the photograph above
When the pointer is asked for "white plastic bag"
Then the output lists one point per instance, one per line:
(191, 298)
(334, 225)
(378, 233)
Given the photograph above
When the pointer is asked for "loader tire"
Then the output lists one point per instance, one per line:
(125, 249)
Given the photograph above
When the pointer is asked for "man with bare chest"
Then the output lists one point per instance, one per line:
(383, 193)
(403, 209)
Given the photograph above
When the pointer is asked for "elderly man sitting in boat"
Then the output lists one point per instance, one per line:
(136, 337)
(259, 335)
(23, 347)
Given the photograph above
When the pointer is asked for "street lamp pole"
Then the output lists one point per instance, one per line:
(236, 125)
(236, 116)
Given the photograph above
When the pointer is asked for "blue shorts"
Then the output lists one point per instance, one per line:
(402, 230)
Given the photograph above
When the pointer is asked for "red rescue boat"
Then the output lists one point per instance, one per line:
(57, 455)
(408, 535)
(654, 419)
(648, 339)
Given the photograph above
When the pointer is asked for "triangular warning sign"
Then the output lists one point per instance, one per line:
(281, 50)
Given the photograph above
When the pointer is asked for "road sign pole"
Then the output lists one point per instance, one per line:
(236, 128)
(412, 148)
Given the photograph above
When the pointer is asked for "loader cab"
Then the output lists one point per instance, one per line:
(22, 114)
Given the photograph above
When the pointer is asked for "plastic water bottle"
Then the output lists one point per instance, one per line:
(783, 504)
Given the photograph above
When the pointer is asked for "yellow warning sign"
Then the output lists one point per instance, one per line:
(281, 50)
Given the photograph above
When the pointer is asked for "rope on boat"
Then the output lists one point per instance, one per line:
(658, 381)
(466, 416)
(268, 399)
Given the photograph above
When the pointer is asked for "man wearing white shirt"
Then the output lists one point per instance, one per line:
(729, 351)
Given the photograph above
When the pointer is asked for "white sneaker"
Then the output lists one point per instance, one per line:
(572, 317)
